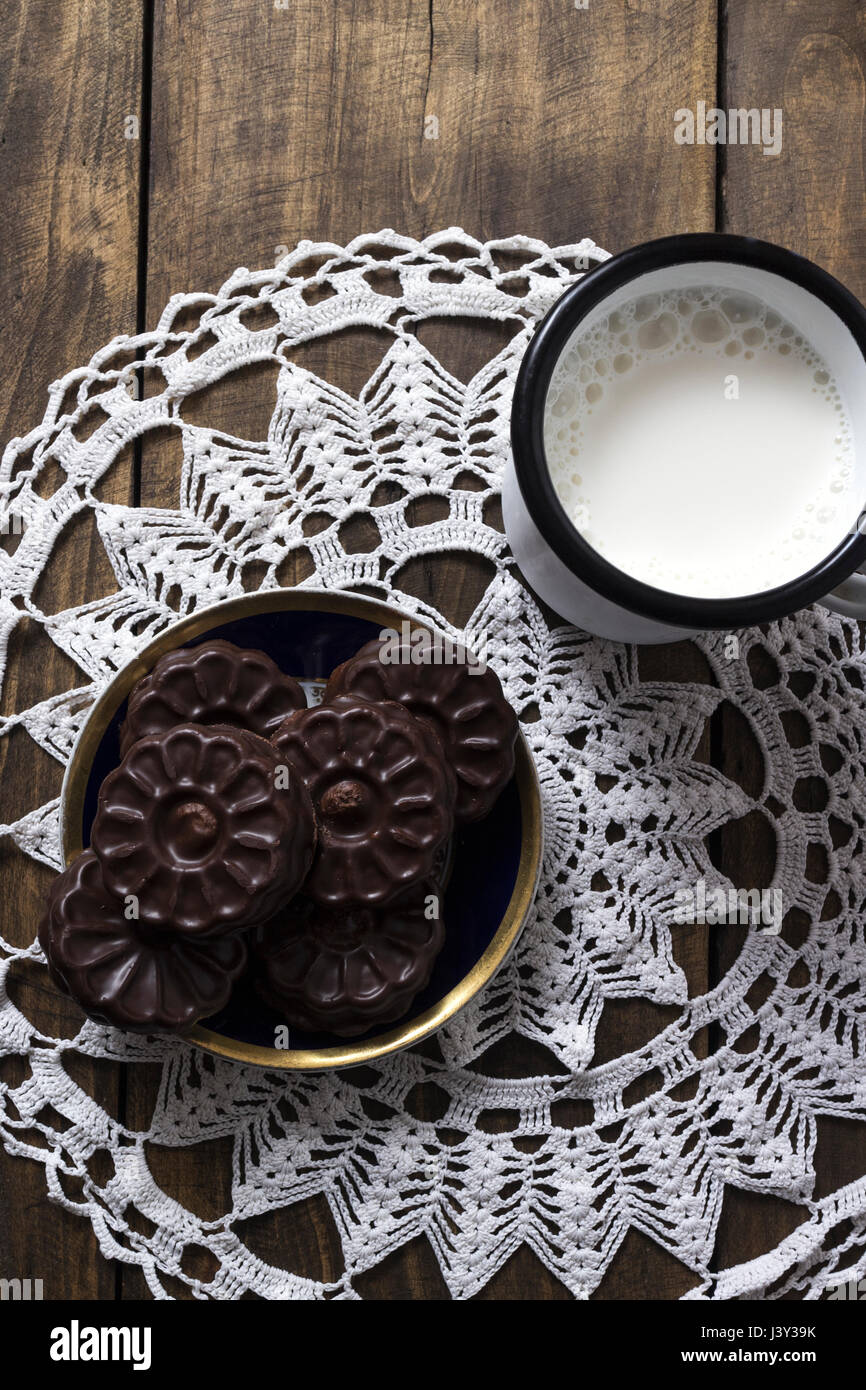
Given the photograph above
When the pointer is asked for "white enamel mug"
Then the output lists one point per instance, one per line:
(563, 568)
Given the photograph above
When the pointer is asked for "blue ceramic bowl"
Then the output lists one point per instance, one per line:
(494, 863)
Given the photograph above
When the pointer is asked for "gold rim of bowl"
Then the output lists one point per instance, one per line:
(347, 1054)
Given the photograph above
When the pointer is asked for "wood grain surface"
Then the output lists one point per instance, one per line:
(69, 225)
(264, 123)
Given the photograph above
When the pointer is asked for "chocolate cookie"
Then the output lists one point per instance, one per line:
(123, 973)
(205, 827)
(475, 722)
(215, 683)
(383, 796)
(346, 972)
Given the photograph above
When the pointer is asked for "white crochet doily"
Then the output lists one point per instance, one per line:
(628, 808)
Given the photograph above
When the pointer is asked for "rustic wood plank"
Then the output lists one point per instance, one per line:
(810, 198)
(69, 79)
(323, 120)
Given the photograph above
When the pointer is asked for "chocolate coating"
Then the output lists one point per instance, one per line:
(124, 974)
(383, 796)
(345, 972)
(214, 683)
(207, 827)
(475, 722)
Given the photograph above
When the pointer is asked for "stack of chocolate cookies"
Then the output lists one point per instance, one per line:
(243, 830)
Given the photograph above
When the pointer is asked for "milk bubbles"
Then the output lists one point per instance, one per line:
(699, 442)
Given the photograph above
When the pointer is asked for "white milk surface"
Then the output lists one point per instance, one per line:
(699, 443)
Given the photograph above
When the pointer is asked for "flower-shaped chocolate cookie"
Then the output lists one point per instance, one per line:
(475, 722)
(205, 827)
(122, 972)
(383, 795)
(214, 683)
(345, 972)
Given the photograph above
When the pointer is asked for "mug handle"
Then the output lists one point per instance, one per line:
(849, 599)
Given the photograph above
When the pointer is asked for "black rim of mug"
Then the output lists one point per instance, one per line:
(527, 433)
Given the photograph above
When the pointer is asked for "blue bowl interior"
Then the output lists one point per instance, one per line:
(485, 856)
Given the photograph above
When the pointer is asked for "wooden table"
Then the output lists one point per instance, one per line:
(149, 148)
